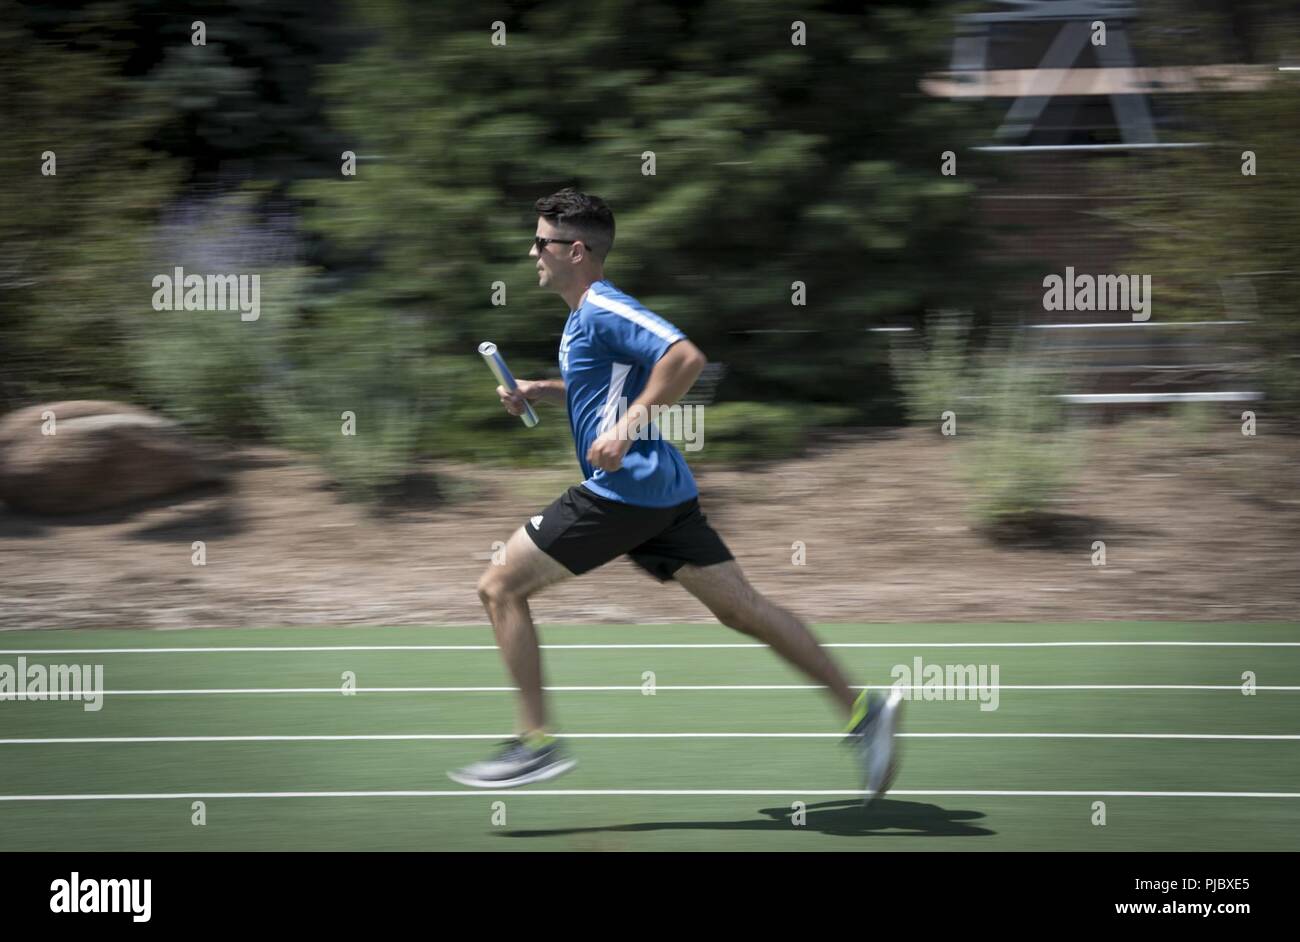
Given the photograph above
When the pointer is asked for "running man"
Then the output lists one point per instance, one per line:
(639, 499)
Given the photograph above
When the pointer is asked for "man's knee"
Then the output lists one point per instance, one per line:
(737, 617)
(493, 590)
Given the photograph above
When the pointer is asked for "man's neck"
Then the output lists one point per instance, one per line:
(573, 296)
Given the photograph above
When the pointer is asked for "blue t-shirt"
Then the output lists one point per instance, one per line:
(610, 345)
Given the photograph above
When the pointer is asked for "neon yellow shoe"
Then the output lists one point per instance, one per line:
(873, 735)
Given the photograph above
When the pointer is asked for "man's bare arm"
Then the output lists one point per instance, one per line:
(533, 390)
(672, 377)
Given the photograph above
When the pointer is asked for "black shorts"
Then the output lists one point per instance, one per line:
(582, 531)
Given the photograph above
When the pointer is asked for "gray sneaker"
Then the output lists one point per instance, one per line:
(874, 739)
(516, 764)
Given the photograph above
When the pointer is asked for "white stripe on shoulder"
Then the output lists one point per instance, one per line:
(660, 330)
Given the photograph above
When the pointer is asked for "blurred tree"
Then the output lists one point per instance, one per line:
(244, 104)
(1221, 243)
(138, 118)
(73, 243)
(774, 163)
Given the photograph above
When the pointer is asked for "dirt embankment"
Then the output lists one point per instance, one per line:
(1202, 529)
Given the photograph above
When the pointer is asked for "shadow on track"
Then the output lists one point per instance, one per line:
(887, 818)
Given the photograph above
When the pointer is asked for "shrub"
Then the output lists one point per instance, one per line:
(1016, 452)
(755, 431)
(935, 372)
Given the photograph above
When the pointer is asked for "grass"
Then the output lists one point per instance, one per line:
(780, 771)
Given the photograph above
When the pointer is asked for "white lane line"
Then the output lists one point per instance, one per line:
(649, 792)
(265, 649)
(26, 695)
(419, 737)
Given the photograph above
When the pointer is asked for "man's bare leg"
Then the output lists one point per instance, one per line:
(726, 592)
(505, 591)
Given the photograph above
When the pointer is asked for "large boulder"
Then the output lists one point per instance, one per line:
(101, 454)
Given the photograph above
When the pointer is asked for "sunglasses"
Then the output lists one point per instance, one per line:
(541, 243)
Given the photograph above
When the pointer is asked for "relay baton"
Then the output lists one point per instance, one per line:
(502, 372)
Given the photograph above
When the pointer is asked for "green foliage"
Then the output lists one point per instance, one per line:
(744, 432)
(934, 373)
(359, 415)
(1201, 220)
(763, 176)
(212, 369)
(472, 426)
(1016, 453)
(1194, 420)
(74, 246)
(247, 101)
(1013, 448)
(775, 164)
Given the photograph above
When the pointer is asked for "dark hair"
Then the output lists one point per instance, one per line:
(582, 215)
